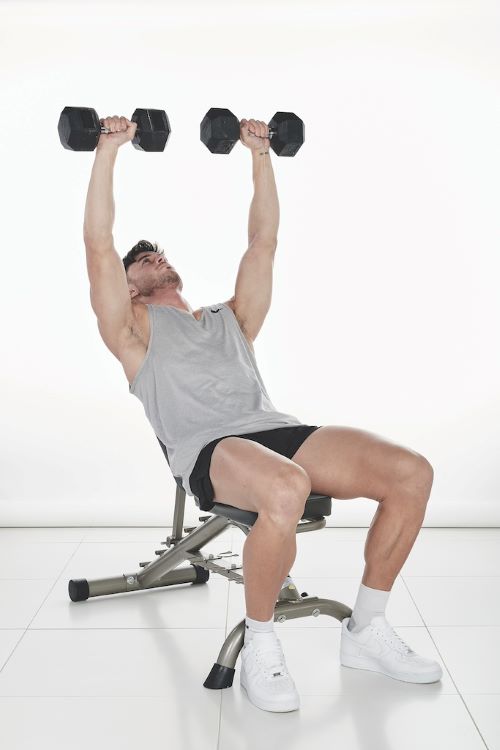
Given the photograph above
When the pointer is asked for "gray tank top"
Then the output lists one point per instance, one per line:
(200, 381)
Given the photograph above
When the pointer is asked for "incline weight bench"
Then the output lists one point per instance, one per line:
(165, 571)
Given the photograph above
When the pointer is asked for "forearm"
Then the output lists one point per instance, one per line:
(263, 220)
(100, 205)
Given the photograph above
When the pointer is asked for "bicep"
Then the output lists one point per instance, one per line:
(253, 290)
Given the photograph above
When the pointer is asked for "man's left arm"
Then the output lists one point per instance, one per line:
(253, 292)
(264, 216)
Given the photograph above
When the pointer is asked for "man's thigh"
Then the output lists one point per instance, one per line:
(245, 474)
(346, 463)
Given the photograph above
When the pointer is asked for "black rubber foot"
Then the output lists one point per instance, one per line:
(78, 589)
(219, 677)
(202, 574)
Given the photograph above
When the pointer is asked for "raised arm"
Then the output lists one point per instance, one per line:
(109, 292)
(100, 206)
(253, 291)
(263, 220)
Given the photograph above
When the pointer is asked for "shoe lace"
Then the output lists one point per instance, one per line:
(272, 659)
(393, 639)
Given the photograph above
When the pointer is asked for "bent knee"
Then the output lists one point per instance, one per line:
(288, 493)
(415, 471)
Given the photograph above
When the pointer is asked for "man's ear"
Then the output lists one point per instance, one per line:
(133, 291)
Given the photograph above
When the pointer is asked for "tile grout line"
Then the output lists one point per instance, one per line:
(225, 630)
(444, 662)
(79, 544)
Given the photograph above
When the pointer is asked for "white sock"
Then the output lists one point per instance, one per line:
(257, 626)
(369, 602)
(286, 582)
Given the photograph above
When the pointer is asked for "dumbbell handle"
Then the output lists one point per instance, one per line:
(271, 133)
(107, 130)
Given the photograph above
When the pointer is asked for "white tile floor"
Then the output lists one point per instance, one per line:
(127, 670)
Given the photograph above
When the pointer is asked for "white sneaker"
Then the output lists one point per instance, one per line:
(378, 648)
(264, 674)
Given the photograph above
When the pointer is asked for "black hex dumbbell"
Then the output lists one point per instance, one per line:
(80, 129)
(220, 130)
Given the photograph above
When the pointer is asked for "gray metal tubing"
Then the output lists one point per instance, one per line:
(283, 610)
(128, 582)
(154, 572)
(311, 524)
(180, 503)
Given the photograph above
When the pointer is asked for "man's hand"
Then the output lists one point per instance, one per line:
(122, 131)
(254, 134)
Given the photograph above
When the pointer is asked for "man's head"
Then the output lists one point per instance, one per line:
(150, 276)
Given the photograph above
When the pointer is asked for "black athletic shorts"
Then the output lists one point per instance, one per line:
(283, 440)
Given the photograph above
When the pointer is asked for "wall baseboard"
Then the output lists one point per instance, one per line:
(345, 513)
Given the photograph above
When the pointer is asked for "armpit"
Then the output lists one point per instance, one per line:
(230, 303)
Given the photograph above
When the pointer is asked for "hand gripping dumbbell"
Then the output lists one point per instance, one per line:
(80, 129)
(220, 130)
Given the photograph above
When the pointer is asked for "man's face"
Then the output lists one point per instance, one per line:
(152, 271)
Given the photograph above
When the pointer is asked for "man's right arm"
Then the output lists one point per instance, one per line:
(100, 204)
(109, 292)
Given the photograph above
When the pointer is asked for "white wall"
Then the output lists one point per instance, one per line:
(385, 306)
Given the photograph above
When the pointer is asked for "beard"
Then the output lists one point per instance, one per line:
(165, 279)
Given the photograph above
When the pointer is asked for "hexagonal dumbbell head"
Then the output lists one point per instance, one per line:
(220, 130)
(288, 135)
(79, 128)
(153, 129)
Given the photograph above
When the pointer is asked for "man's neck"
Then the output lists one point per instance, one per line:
(179, 302)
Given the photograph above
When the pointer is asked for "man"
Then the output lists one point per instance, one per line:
(196, 374)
